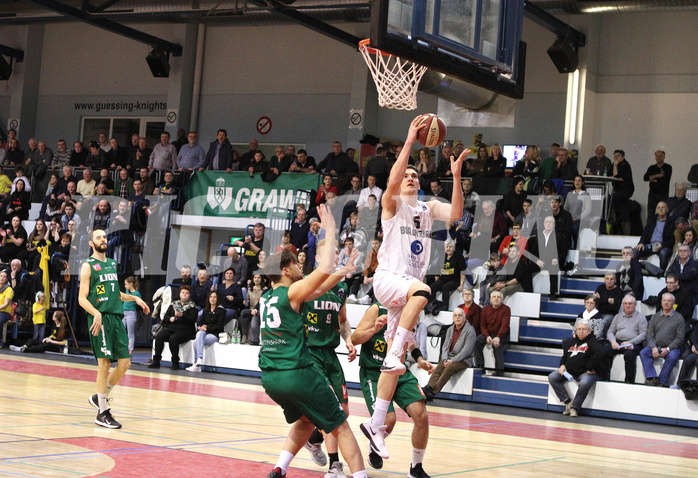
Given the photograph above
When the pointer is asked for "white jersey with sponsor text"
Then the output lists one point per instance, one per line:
(406, 247)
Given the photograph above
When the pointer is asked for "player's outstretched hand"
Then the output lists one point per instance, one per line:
(457, 164)
(414, 128)
(352, 352)
(426, 365)
(326, 219)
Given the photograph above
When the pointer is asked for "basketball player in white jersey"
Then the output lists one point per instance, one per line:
(402, 264)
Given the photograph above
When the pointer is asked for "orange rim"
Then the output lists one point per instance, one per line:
(365, 44)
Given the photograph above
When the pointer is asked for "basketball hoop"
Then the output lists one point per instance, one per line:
(396, 79)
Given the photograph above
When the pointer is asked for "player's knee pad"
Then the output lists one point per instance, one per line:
(422, 293)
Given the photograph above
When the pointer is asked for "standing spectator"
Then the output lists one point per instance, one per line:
(249, 318)
(496, 163)
(117, 157)
(258, 164)
(6, 295)
(658, 236)
(19, 202)
(491, 220)
(15, 156)
(184, 279)
(248, 156)
(335, 163)
(547, 251)
(659, 177)
(563, 219)
(578, 204)
(286, 243)
(220, 153)
(252, 245)
(164, 155)
(470, 198)
(626, 335)
(139, 158)
(629, 274)
(512, 204)
(369, 218)
(191, 156)
(372, 188)
(679, 205)
(599, 164)
(477, 165)
(181, 139)
(207, 330)
(178, 327)
(580, 358)
(457, 350)
(665, 336)
(299, 229)
(494, 325)
(622, 189)
(130, 309)
(378, 168)
(563, 168)
(200, 288)
(238, 264)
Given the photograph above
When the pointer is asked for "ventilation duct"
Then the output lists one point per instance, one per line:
(618, 6)
(456, 91)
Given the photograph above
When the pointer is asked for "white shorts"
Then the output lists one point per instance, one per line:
(391, 291)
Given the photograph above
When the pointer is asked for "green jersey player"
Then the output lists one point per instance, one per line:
(102, 299)
(288, 374)
(408, 394)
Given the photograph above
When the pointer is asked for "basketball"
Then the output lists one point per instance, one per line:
(434, 133)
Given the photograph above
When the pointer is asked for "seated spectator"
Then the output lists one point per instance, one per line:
(55, 342)
(15, 155)
(138, 194)
(563, 168)
(679, 235)
(252, 245)
(528, 167)
(355, 232)
(599, 164)
(476, 166)
(178, 327)
(578, 204)
(457, 350)
(96, 158)
(426, 167)
(581, 356)
(303, 263)
(626, 334)
(315, 234)
(208, 328)
(492, 221)
(515, 238)
(665, 336)
(286, 243)
(686, 269)
(101, 190)
(5, 183)
(355, 279)
(470, 198)
(147, 180)
(325, 188)
(369, 190)
(563, 219)
(370, 266)
(303, 163)
(29, 255)
(6, 296)
(629, 274)
(70, 216)
(118, 233)
(258, 164)
(19, 203)
(259, 269)
(14, 237)
(437, 190)
(492, 270)
(690, 360)
(249, 318)
(543, 207)
(230, 296)
(512, 204)
(494, 325)
(102, 215)
(300, 228)
(124, 185)
(369, 217)
(451, 277)
(167, 186)
(657, 237)
(679, 205)
(592, 314)
(547, 251)
(526, 219)
(239, 265)
(200, 288)
(683, 298)
(86, 186)
(184, 279)
(105, 178)
(514, 276)
(78, 156)
(280, 163)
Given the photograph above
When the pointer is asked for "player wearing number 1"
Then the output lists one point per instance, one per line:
(102, 299)
(402, 263)
(288, 374)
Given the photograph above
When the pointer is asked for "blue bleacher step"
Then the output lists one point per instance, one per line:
(535, 359)
(579, 286)
(511, 390)
(542, 331)
(592, 262)
(562, 309)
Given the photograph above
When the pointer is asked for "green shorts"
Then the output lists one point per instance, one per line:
(407, 390)
(112, 341)
(304, 392)
(327, 360)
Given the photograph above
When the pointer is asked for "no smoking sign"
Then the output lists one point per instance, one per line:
(264, 125)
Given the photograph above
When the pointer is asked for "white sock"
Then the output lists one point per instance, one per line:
(109, 388)
(359, 474)
(380, 410)
(399, 341)
(284, 460)
(417, 456)
(103, 403)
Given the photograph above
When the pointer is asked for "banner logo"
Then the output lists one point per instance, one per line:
(219, 195)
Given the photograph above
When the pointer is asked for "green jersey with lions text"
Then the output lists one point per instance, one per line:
(282, 333)
(104, 293)
(322, 320)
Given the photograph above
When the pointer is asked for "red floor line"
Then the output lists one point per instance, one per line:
(499, 427)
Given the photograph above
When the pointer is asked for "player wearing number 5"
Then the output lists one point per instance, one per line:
(288, 374)
(102, 299)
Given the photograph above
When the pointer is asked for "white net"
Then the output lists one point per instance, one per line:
(396, 79)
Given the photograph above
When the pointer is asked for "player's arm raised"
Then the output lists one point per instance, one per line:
(339, 275)
(451, 212)
(304, 289)
(345, 333)
(132, 298)
(397, 172)
(369, 325)
(85, 274)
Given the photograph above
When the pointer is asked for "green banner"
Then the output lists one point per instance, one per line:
(236, 194)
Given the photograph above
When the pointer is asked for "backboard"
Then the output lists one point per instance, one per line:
(477, 41)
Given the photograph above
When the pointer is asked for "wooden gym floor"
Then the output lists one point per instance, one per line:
(184, 424)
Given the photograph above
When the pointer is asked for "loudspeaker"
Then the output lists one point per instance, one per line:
(5, 69)
(159, 63)
(563, 56)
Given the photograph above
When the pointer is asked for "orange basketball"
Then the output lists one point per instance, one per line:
(435, 131)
